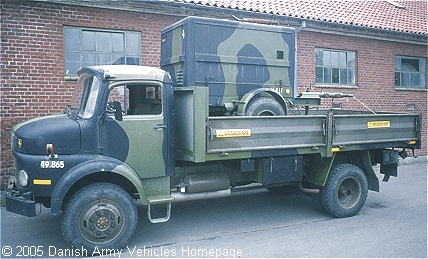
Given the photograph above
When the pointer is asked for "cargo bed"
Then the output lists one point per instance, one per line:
(326, 132)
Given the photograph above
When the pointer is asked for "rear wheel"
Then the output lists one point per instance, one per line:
(264, 106)
(345, 191)
(100, 215)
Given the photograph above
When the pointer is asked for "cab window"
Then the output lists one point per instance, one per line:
(136, 99)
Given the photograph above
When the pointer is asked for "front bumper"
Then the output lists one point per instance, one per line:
(17, 203)
(20, 205)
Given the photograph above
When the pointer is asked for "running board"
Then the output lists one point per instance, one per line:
(159, 220)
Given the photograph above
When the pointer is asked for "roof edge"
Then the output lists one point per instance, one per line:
(193, 8)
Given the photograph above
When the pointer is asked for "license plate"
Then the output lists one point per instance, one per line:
(52, 164)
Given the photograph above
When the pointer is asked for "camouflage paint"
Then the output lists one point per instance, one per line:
(231, 58)
(144, 142)
(34, 134)
(145, 146)
(255, 42)
(147, 188)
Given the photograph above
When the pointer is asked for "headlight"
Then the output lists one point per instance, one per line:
(22, 178)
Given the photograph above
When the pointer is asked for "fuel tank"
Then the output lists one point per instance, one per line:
(206, 182)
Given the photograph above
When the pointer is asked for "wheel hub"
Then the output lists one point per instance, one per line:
(101, 222)
(348, 193)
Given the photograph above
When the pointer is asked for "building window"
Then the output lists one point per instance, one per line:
(410, 72)
(335, 67)
(88, 47)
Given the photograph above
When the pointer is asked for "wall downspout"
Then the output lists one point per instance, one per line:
(296, 88)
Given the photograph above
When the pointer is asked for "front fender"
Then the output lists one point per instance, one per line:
(96, 165)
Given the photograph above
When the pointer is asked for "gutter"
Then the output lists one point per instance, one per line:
(183, 9)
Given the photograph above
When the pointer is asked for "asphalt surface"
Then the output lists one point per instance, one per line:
(393, 223)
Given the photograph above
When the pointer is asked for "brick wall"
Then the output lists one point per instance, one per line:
(375, 74)
(32, 62)
(32, 59)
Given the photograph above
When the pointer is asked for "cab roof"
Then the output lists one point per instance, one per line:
(125, 72)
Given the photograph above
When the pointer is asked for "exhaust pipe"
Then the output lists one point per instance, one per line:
(307, 190)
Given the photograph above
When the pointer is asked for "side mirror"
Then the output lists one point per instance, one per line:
(117, 109)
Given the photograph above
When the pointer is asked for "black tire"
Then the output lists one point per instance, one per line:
(345, 191)
(264, 106)
(100, 215)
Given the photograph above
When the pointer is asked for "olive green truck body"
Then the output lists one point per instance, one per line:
(220, 117)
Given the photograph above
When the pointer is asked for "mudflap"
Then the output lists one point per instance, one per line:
(388, 164)
(388, 171)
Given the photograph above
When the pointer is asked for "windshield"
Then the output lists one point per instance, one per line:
(85, 95)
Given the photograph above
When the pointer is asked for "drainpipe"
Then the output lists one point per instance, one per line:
(302, 25)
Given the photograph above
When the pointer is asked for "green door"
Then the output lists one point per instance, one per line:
(138, 137)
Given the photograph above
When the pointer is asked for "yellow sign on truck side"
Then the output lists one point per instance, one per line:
(230, 133)
(378, 124)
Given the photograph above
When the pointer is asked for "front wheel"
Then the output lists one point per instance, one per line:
(345, 191)
(101, 215)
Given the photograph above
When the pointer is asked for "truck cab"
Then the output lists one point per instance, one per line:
(110, 106)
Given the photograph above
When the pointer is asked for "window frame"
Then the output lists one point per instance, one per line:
(422, 65)
(338, 69)
(75, 48)
(123, 93)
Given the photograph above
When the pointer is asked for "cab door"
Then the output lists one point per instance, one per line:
(140, 136)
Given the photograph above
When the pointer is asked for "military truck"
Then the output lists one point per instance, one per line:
(225, 118)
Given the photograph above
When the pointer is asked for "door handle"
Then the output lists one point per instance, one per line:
(159, 127)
